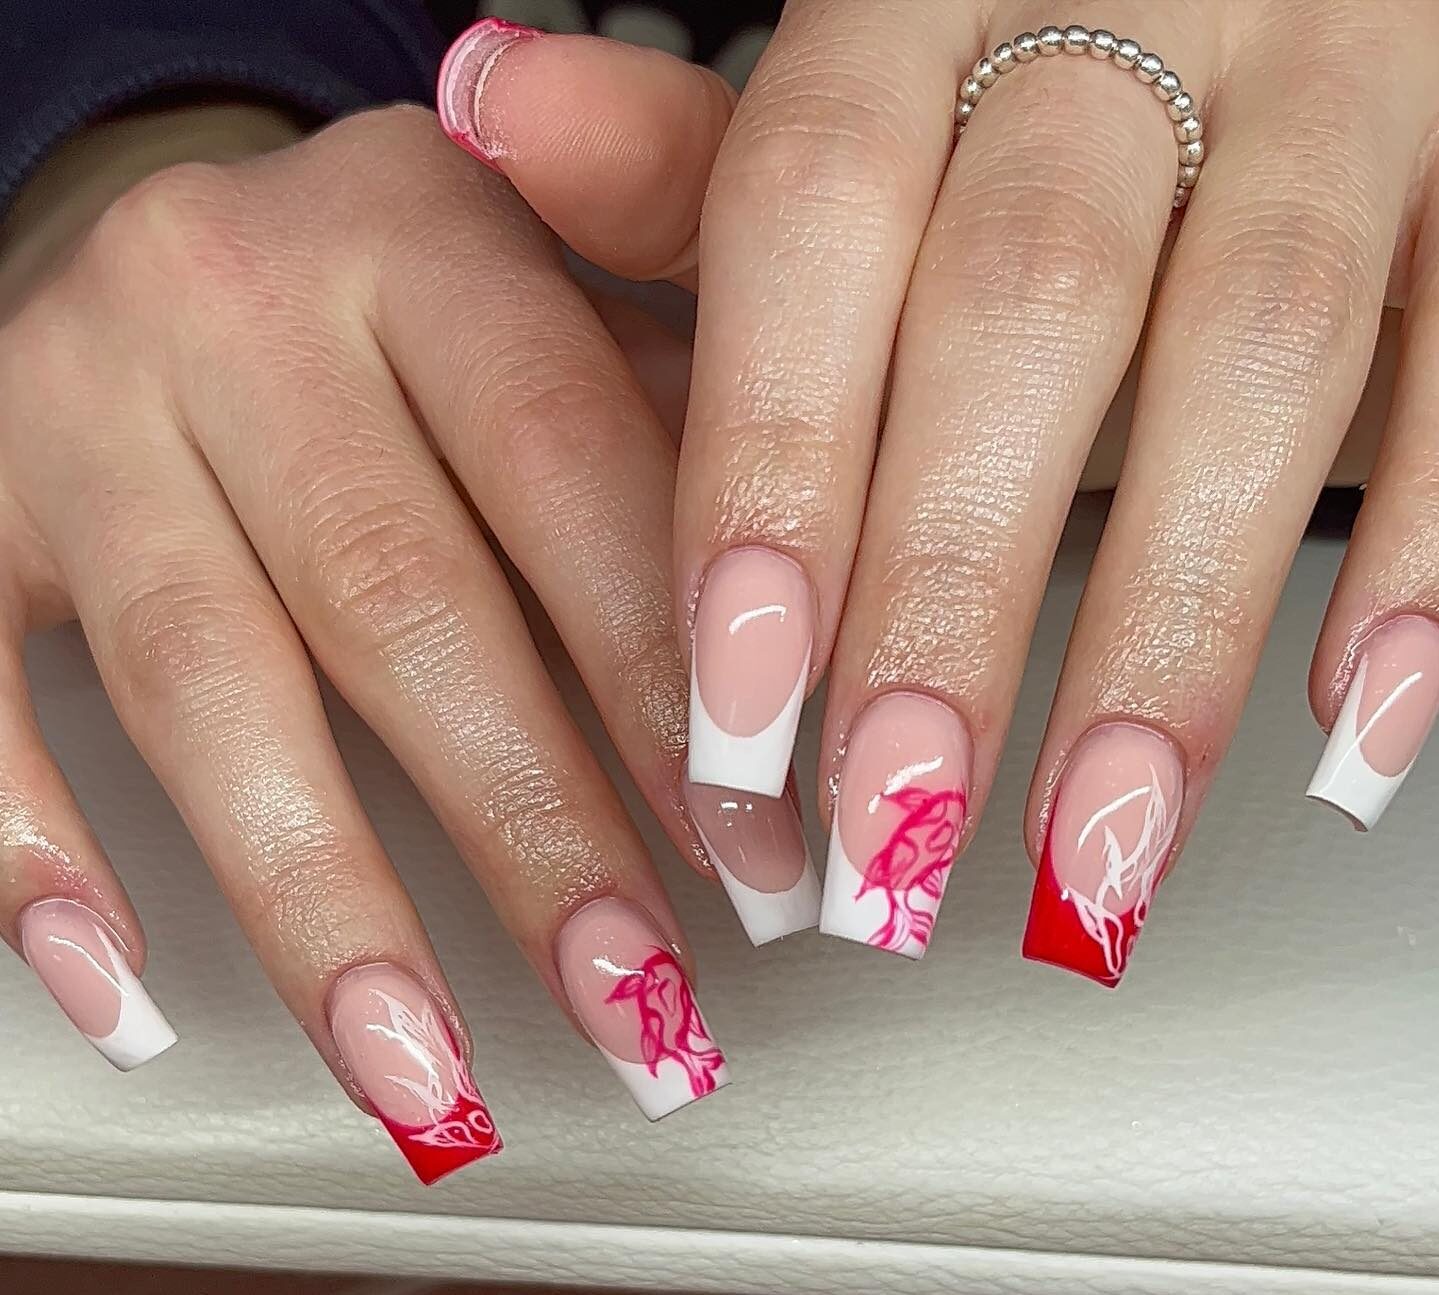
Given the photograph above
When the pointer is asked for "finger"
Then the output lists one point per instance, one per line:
(1028, 295)
(212, 684)
(817, 203)
(547, 429)
(1263, 332)
(62, 908)
(611, 144)
(659, 358)
(410, 614)
(1374, 684)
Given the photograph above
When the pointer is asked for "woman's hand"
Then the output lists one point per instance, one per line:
(904, 350)
(267, 408)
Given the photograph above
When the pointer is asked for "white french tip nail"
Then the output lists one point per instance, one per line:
(769, 916)
(78, 960)
(1344, 779)
(759, 763)
(142, 1035)
(852, 911)
(666, 1089)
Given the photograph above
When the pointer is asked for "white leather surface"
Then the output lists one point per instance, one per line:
(1256, 1110)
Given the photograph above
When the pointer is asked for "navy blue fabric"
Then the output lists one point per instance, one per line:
(64, 63)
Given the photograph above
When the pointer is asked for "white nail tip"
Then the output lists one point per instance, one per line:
(1344, 779)
(851, 911)
(770, 915)
(142, 1032)
(666, 1090)
(759, 763)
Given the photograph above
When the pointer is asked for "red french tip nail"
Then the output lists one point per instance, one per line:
(405, 1060)
(467, 66)
(1115, 815)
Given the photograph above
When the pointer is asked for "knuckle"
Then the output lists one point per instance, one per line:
(185, 646)
(378, 571)
(175, 221)
(1280, 300)
(1023, 263)
(542, 423)
(823, 139)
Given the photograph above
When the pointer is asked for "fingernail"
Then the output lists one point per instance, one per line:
(757, 846)
(79, 960)
(753, 633)
(902, 797)
(1113, 822)
(630, 993)
(397, 1045)
(466, 70)
(1387, 714)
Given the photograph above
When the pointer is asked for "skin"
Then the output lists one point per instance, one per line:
(358, 370)
(904, 352)
(288, 449)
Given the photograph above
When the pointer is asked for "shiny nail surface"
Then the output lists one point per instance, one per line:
(757, 846)
(631, 994)
(467, 68)
(903, 792)
(78, 959)
(753, 635)
(1387, 714)
(1113, 823)
(403, 1057)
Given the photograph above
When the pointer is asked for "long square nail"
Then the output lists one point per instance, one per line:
(903, 792)
(757, 847)
(753, 635)
(1113, 822)
(630, 992)
(1387, 714)
(404, 1058)
(79, 960)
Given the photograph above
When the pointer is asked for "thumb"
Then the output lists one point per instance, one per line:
(611, 144)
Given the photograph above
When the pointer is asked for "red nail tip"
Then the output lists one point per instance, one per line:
(1056, 935)
(464, 1134)
(467, 65)
(1105, 850)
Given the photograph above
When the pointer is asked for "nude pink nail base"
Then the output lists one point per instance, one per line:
(403, 1057)
(757, 847)
(468, 65)
(754, 630)
(1387, 714)
(903, 792)
(630, 992)
(1110, 833)
(78, 958)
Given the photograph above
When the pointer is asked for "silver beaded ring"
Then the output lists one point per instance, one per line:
(1100, 44)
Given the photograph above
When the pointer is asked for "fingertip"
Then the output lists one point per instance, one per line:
(464, 79)
(610, 143)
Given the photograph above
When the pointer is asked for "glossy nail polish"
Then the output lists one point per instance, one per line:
(1387, 713)
(467, 68)
(630, 993)
(1113, 822)
(403, 1057)
(79, 960)
(903, 792)
(757, 847)
(753, 635)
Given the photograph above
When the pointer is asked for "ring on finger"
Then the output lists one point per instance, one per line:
(1128, 54)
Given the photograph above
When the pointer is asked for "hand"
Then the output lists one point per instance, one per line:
(250, 418)
(903, 352)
